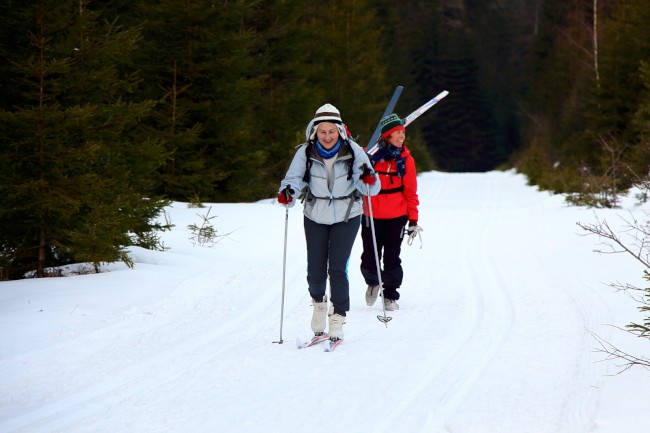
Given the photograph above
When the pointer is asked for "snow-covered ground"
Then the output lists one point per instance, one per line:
(495, 333)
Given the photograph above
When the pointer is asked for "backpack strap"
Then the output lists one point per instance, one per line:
(350, 161)
(308, 162)
(391, 175)
(392, 190)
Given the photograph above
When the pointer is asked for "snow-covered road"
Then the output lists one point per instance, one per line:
(493, 334)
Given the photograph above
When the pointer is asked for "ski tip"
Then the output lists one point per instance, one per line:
(331, 345)
(301, 344)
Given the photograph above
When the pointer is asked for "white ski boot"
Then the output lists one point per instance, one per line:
(336, 327)
(319, 316)
(391, 305)
(371, 295)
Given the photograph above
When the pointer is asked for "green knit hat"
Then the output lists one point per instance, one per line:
(391, 124)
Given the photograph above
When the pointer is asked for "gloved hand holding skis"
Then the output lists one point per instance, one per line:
(368, 175)
(414, 231)
(286, 196)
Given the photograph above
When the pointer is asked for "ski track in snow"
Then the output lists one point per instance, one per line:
(473, 346)
(463, 305)
(121, 367)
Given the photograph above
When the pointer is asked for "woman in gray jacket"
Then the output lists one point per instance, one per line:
(333, 173)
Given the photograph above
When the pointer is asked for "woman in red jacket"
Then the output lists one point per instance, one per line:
(394, 207)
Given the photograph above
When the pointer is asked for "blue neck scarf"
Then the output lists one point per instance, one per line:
(388, 153)
(327, 154)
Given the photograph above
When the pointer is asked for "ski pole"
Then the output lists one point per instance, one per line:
(381, 318)
(284, 271)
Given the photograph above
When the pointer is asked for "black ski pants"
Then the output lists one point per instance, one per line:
(328, 252)
(389, 233)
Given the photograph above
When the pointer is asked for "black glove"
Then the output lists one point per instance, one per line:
(367, 175)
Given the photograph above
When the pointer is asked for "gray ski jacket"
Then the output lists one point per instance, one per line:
(325, 205)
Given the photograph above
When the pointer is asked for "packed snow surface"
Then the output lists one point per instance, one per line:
(502, 310)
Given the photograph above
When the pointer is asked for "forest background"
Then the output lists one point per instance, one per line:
(110, 109)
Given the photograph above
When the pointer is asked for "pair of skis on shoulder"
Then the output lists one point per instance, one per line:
(330, 345)
(373, 145)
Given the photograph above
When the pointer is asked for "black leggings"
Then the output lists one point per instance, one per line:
(328, 252)
(389, 233)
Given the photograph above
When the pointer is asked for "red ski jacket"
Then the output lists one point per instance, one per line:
(398, 195)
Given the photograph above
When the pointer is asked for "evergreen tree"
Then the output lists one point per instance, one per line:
(309, 55)
(74, 164)
(238, 83)
(197, 59)
(559, 79)
(437, 45)
(641, 123)
(613, 109)
(580, 118)
(410, 42)
(460, 132)
(344, 63)
(286, 100)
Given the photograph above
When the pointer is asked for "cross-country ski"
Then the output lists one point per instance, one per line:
(315, 340)
(372, 148)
